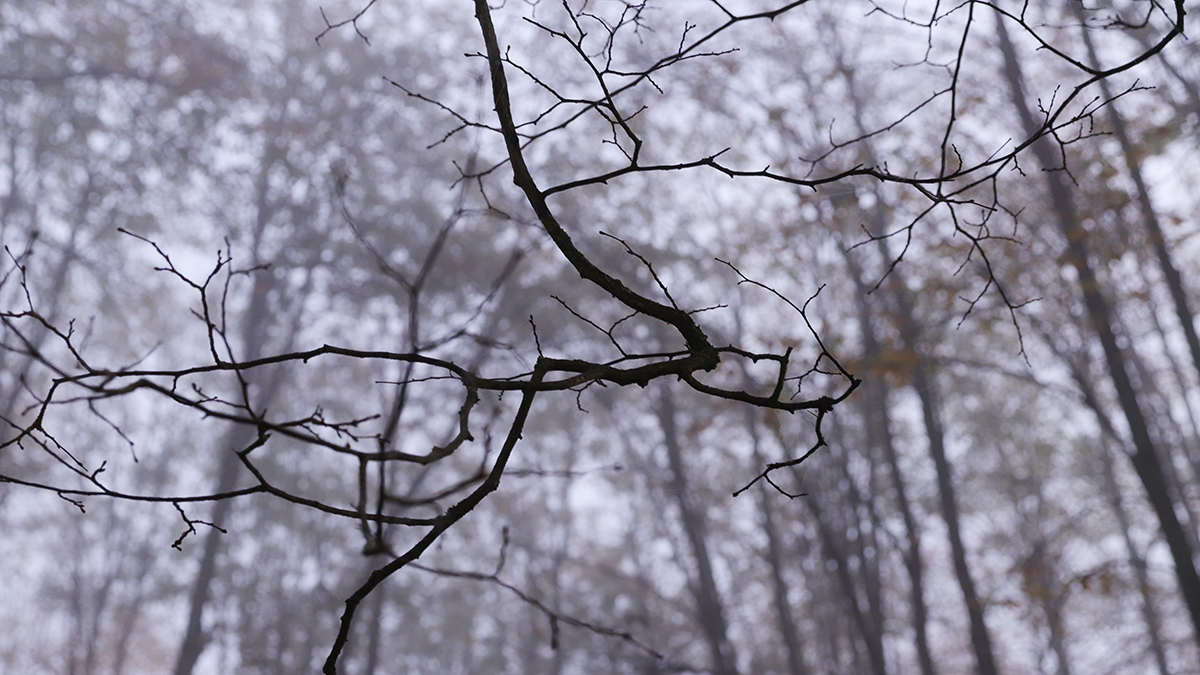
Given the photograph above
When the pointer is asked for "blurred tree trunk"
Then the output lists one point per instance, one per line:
(843, 540)
(1145, 457)
(926, 388)
(1038, 564)
(1191, 437)
(788, 629)
(709, 609)
(875, 396)
(1170, 272)
(143, 560)
(195, 637)
(834, 548)
(927, 391)
(1051, 595)
(374, 623)
(1150, 613)
(1163, 429)
(880, 438)
(256, 318)
(51, 295)
(860, 525)
(88, 609)
(1110, 437)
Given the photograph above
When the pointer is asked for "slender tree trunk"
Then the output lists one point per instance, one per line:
(1190, 439)
(1171, 275)
(927, 391)
(980, 638)
(859, 532)
(709, 609)
(195, 637)
(879, 435)
(1160, 409)
(49, 303)
(566, 522)
(1145, 457)
(834, 550)
(788, 629)
(1150, 613)
(89, 606)
(879, 432)
(865, 530)
(1051, 597)
(128, 616)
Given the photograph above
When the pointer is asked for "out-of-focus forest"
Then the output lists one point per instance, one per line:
(599, 336)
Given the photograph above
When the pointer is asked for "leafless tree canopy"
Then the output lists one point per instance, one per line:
(347, 271)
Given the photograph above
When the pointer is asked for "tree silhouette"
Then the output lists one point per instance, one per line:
(597, 82)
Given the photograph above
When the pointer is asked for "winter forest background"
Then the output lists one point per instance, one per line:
(599, 337)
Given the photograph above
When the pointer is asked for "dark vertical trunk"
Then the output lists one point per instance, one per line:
(927, 392)
(709, 609)
(879, 436)
(926, 389)
(1150, 613)
(1146, 461)
(788, 628)
(1161, 432)
(860, 523)
(1174, 281)
(913, 562)
(195, 637)
(865, 530)
(879, 433)
(256, 318)
(872, 635)
(561, 557)
(1166, 400)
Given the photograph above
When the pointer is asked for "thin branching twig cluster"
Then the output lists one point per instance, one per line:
(595, 42)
